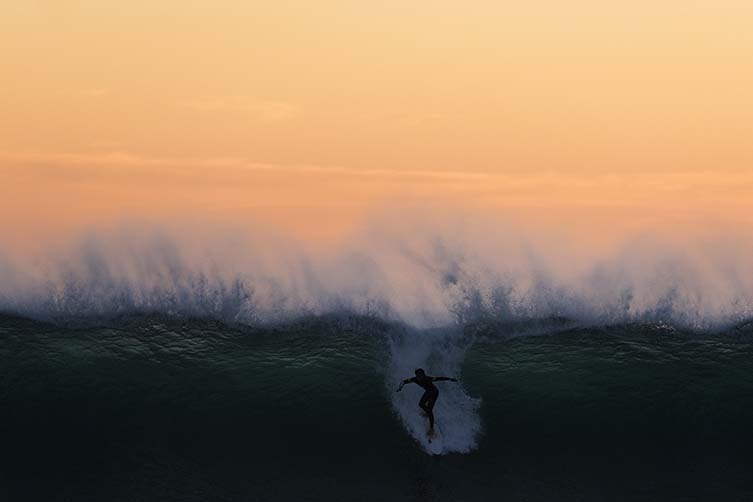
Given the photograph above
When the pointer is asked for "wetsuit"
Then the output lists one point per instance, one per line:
(431, 393)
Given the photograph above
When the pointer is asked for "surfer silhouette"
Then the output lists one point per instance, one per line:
(431, 393)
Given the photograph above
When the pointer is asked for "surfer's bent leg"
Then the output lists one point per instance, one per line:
(427, 404)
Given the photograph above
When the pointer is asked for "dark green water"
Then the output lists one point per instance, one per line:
(151, 409)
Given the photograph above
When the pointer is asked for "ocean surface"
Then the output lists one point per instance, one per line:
(166, 407)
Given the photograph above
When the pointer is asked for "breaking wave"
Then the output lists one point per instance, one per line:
(433, 282)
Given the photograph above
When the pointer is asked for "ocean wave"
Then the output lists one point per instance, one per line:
(434, 293)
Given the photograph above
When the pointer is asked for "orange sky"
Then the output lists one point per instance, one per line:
(310, 114)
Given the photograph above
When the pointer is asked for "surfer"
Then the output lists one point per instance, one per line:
(431, 393)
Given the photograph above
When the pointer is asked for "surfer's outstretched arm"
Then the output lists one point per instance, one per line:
(407, 380)
(442, 379)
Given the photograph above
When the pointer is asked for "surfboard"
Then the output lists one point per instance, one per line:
(434, 444)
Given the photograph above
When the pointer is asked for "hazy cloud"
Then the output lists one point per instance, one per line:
(265, 110)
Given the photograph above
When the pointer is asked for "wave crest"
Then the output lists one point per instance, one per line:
(431, 277)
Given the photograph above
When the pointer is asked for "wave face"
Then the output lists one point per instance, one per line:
(156, 407)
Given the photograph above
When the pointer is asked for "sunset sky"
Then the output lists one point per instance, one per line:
(312, 114)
